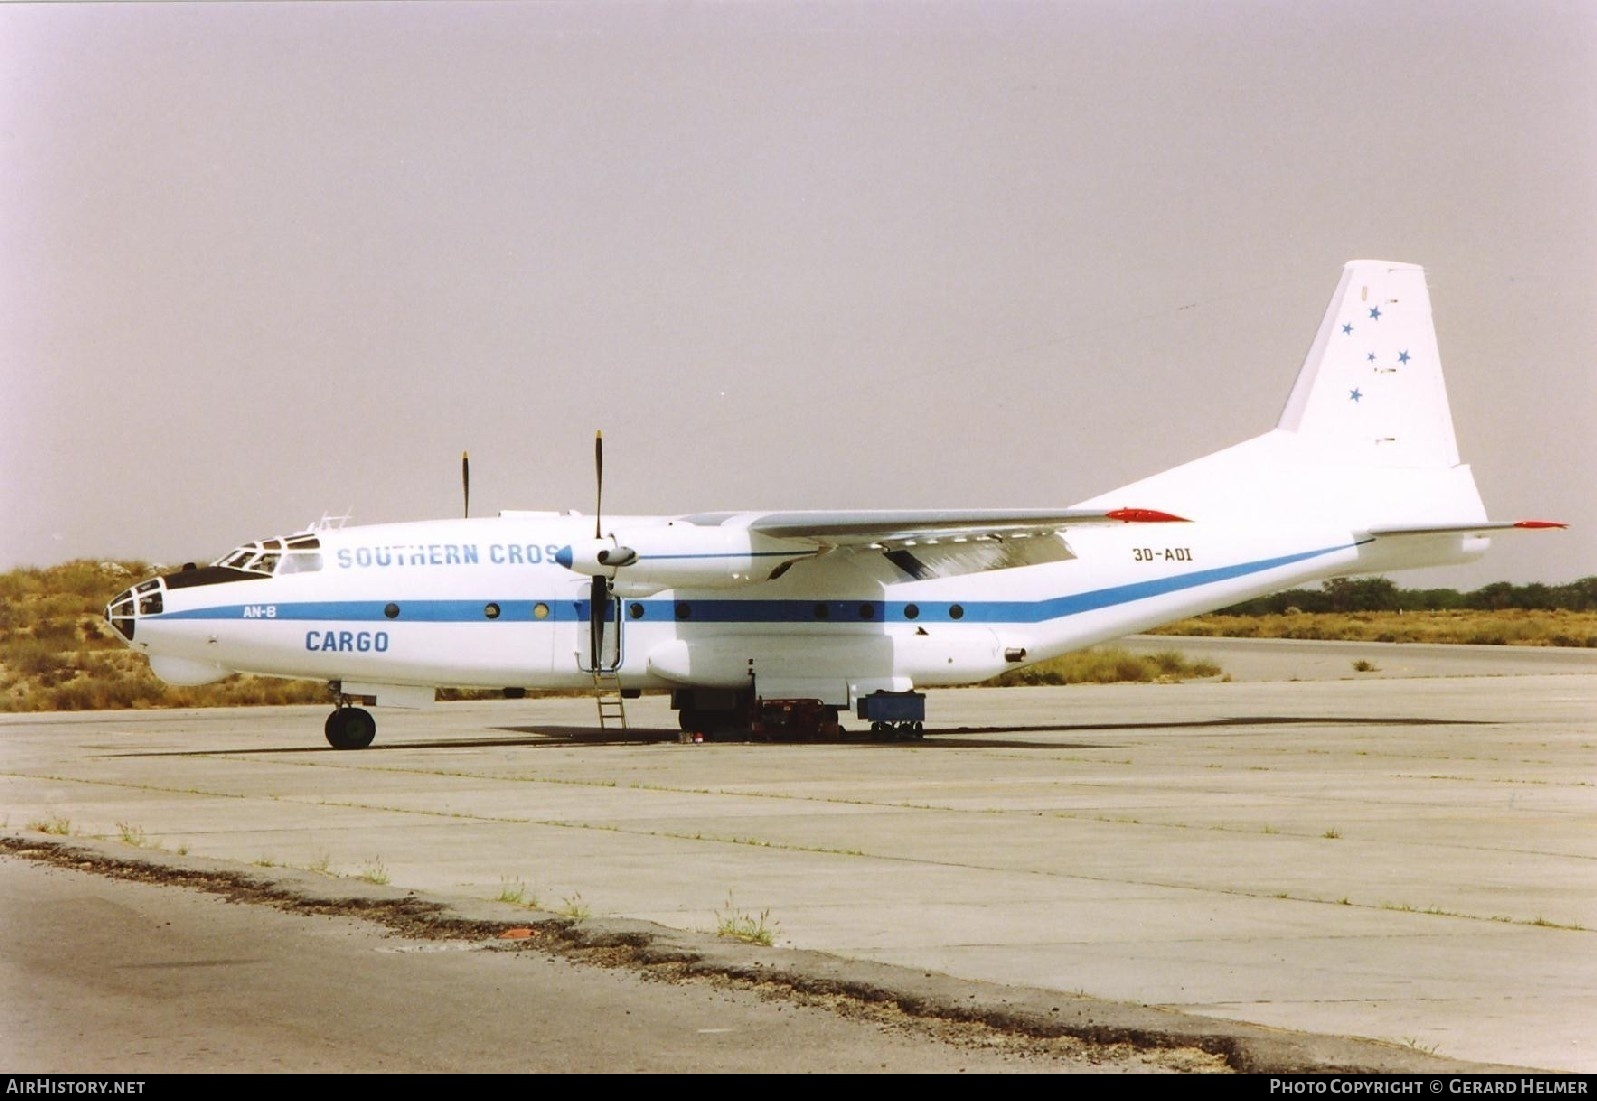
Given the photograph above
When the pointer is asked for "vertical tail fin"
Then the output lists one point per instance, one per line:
(1366, 437)
(1371, 389)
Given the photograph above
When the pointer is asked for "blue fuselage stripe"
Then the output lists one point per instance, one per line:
(375, 611)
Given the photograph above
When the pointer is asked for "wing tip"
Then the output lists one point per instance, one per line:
(1146, 516)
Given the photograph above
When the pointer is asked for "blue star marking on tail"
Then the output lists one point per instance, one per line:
(1348, 329)
(1354, 395)
(1375, 313)
(1370, 357)
(1402, 357)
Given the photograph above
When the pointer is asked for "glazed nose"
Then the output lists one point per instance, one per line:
(143, 599)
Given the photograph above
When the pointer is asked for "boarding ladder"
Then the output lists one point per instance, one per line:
(612, 704)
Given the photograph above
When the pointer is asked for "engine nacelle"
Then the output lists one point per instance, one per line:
(678, 555)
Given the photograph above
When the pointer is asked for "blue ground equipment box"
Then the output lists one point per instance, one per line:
(892, 707)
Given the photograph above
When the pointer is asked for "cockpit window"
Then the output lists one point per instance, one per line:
(296, 554)
(300, 562)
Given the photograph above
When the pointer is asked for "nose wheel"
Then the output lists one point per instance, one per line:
(350, 728)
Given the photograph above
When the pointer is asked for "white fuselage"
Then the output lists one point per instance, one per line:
(485, 603)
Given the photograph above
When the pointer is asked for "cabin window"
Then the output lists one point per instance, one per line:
(491, 611)
(912, 611)
(540, 611)
(956, 611)
(391, 611)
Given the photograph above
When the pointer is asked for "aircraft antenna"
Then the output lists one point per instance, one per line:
(465, 484)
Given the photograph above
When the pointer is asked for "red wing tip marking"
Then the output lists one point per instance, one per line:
(1145, 516)
(1538, 524)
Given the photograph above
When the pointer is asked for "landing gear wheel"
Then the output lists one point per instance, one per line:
(708, 725)
(350, 728)
(718, 724)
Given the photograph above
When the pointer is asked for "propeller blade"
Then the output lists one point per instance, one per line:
(598, 481)
(465, 482)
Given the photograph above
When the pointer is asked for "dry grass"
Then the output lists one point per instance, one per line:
(1109, 665)
(1511, 627)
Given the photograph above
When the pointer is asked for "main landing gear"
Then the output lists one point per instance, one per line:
(796, 721)
(350, 728)
(709, 714)
(721, 715)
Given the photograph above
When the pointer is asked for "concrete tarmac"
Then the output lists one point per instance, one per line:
(1407, 860)
(162, 980)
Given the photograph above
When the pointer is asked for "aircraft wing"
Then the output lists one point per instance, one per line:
(908, 527)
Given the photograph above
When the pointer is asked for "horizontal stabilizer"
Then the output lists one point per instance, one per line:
(1490, 527)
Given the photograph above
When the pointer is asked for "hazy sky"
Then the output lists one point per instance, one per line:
(266, 261)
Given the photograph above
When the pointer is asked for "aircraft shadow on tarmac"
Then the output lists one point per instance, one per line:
(964, 737)
(565, 737)
(1249, 720)
(540, 736)
(570, 735)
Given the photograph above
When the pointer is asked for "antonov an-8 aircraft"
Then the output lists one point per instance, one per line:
(762, 621)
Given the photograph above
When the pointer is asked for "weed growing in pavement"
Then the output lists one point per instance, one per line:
(134, 835)
(735, 924)
(515, 892)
